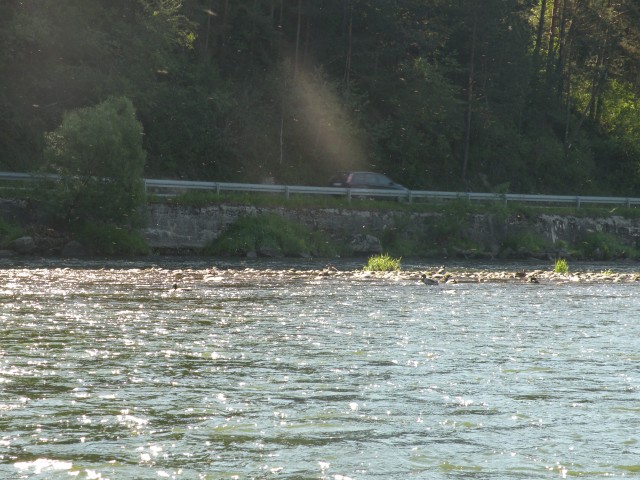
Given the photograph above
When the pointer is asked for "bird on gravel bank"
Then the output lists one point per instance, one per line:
(427, 280)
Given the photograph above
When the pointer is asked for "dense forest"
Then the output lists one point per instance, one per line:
(527, 96)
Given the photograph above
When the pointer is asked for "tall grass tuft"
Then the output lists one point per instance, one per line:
(561, 266)
(382, 263)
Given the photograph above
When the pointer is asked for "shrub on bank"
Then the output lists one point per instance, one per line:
(104, 239)
(445, 233)
(270, 235)
(8, 232)
(97, 153)
(524, 243)
(604, 246)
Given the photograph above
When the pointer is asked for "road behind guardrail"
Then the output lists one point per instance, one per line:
(171, 188)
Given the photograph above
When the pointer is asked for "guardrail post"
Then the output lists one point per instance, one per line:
(410, 199)
(286, 191)
(628, 203)
(577, 202)
(349, 196)
(218, 189)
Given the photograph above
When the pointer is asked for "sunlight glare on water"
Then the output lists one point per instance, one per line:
(112, 373)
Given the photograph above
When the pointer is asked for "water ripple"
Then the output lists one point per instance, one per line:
(112, 373)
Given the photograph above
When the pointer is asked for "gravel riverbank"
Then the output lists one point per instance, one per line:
(439, 275)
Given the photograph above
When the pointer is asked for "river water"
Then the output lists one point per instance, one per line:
(106, 371)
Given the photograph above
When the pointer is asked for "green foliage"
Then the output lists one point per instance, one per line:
(526, 243)
(450, 229)
(604, 246)
(8, 232)
(288, 89)
(166, 19)
(382, 263)
(97, 152)
(273, 233)
(202, 197)
(110, 240)
(397, 243)
(561, 266)
(408, 247)
(195, 149)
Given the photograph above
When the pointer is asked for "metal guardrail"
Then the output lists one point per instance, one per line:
(409, 196)
(26, 176)
(174, 187)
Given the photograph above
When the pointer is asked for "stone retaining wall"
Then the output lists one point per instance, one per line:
(175, 227)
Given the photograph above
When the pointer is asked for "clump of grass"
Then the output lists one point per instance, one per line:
(382, 263)
(255, 233)
(607, 272)
(198, 198)
(561, 266)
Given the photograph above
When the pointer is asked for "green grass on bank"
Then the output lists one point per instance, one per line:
(199, 198)
(8, 232)
(270, 235)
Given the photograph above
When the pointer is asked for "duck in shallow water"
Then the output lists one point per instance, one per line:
(427, 280)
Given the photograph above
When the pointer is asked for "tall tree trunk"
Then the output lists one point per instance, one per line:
(602, 68)
(471, 80)
(223, 27)
(551, 47)
(282, 93)
(562, 46)
(307, 36)
(538, 44)
(586, 110)
(346, 8)
(210, 13)
(297, 49)
(347, 67)
(567, 143)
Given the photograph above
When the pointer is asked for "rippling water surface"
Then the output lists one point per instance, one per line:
(110, 373)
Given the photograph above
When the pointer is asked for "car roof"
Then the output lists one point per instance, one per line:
(351, 172)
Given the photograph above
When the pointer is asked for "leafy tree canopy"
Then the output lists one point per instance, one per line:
(537, 95)
(97, 152)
